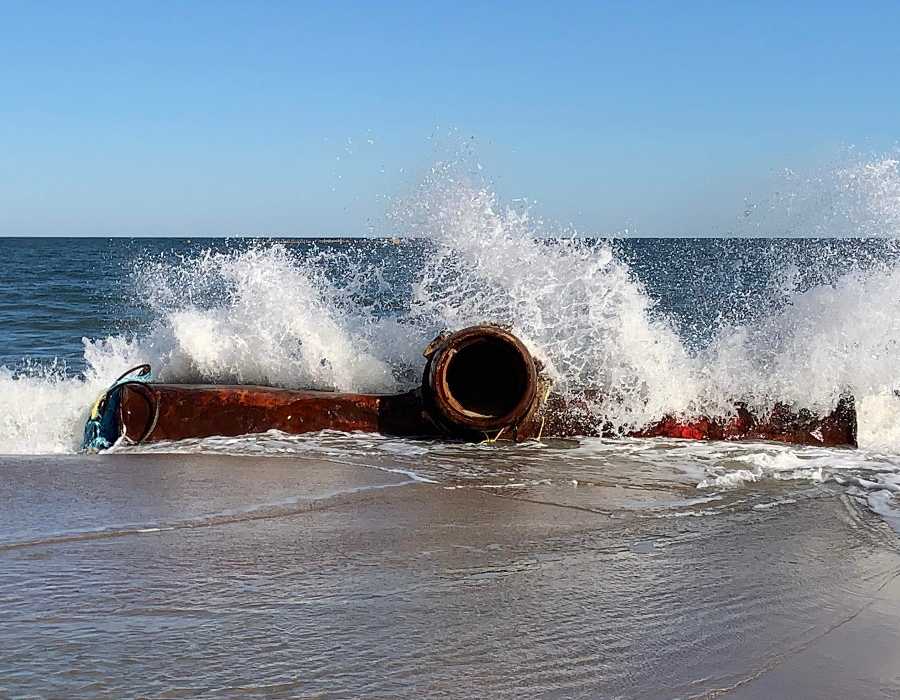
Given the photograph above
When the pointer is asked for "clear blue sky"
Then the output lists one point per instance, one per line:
(223, 118)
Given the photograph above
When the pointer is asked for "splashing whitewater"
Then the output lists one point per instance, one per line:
(265, 315)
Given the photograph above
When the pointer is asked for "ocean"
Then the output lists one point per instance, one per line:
(341, 564)
(672, 325)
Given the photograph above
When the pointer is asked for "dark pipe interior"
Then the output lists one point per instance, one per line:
(487, 377)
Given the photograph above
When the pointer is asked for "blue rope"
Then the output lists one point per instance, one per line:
(102, 427)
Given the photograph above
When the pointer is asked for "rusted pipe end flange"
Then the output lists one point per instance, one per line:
(479, 379)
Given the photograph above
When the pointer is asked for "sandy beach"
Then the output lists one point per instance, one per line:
(449, 350)
(213, 576)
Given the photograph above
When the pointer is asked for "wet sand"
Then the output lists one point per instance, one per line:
(191, 576)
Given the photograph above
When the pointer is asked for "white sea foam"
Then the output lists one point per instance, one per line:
(772, 462)
(260, 316)
(43, 411)
(257, 316)
(576, 304)
(266, 315)
(827, 340)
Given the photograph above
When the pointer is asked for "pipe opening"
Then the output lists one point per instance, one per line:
(487, 378)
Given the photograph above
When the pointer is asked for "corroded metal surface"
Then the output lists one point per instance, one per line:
(481, 382)
(480, 379)
(782, 424)
(150, 412)
(569, 417)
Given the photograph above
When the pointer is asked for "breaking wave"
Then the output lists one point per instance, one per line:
(347, 320)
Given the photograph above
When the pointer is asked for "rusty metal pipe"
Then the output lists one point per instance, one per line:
(152, 412)
(480, 381)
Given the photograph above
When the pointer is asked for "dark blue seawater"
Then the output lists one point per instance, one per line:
(56, 291)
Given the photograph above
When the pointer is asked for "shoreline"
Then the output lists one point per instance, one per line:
(361, 587)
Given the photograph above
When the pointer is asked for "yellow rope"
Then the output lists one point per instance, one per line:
(489, 441)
